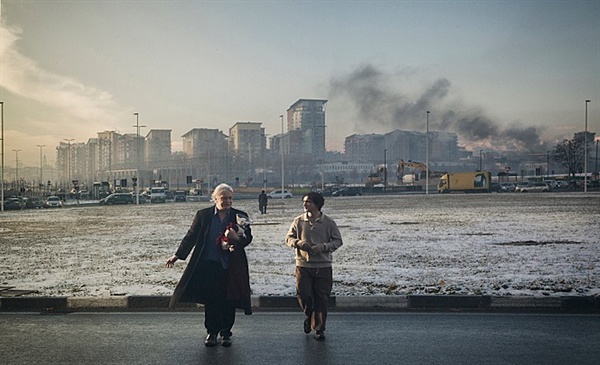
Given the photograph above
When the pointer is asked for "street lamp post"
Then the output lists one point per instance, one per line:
(41, 166)
(137, 165)
(585, 149)
(480, 160)
(282, 163)
(17, 171)
(385, 170)
(427, 157)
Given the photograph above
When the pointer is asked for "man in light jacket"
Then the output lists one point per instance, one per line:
(314, 236)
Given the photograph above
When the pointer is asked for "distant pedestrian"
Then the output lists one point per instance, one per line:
(314, 236)
(262, 202)
(217, 273)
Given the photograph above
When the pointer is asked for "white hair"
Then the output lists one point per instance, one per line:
(219, 188)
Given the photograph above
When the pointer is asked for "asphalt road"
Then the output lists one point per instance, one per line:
(277, 338)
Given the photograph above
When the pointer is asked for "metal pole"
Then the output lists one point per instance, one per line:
(2, 177)
(282, 163)
(427, 157)
(41, 163)
(585, 152)
(480, 160)
(385, 170)
(137, 165)
(17, 171)
(548, 164)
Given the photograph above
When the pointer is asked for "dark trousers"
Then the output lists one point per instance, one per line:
(219, 313)
(313, 287)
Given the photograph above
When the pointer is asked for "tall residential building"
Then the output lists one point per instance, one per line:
(247, 142)
(206, 150)
(365, 148)
(308, 117)
(158, 146)
(405, 145)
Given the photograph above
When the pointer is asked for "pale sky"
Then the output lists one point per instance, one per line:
(502, 74)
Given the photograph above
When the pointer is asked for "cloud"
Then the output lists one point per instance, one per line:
(74, 101)
(46, 106)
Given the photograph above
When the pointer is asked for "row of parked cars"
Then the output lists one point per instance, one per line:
(346, 191)
(32, 202)
(526, 187)
(132, 198)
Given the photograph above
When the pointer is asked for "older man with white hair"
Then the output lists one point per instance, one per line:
(217, 273)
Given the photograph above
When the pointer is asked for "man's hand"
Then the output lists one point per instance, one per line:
(316, 249)
(303, 245)
(171, 261)
(232, 235)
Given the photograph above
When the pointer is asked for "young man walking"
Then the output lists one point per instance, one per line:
(314, 236)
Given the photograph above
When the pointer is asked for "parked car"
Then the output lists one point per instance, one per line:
(507, 187)
(520, 186)
(53, 202)
(562, 184)
(117, 198)
(34, 202)
(593, 183)
(326, 192)
(180, 196)
(280, 194)
(536, 187)
(496, 187)
(142, 199)
(14, 203)
(348, 191)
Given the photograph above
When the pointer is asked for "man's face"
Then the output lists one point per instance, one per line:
(309, 206)
(224, 200)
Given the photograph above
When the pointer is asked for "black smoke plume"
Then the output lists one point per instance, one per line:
(368, 91)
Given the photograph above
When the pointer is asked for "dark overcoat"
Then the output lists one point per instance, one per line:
(238, 288)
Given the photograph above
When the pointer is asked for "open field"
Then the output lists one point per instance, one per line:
(495, 244)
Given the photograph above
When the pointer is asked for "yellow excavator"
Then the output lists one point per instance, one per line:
(402, 165)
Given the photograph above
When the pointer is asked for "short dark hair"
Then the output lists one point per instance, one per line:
(316, 198)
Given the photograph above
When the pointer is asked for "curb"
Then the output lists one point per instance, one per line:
(399, 303)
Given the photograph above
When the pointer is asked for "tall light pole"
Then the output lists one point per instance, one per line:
(427, 157)
(282, 164)
(585, 149)
(41, 166)
(2, 175)
(137, 168)
(17, 170)
(480, 160)
(384, 170)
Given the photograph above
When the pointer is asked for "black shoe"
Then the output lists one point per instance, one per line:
(307, 325)
(320, 336)
(226, 341)
(211, 340)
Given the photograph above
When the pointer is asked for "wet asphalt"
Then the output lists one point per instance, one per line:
(277, 338)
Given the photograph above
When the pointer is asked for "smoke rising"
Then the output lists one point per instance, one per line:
(368, 91)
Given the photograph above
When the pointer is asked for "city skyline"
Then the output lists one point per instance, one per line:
(515, 72)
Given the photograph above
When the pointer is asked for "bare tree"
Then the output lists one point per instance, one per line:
(570, 153)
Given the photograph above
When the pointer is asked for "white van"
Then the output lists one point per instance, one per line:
(157, 194)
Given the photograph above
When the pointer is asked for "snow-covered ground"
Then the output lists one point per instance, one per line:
(495, 244)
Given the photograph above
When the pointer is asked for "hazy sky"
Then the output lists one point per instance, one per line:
(513, 72)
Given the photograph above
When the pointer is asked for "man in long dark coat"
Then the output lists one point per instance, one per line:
(217, 273)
